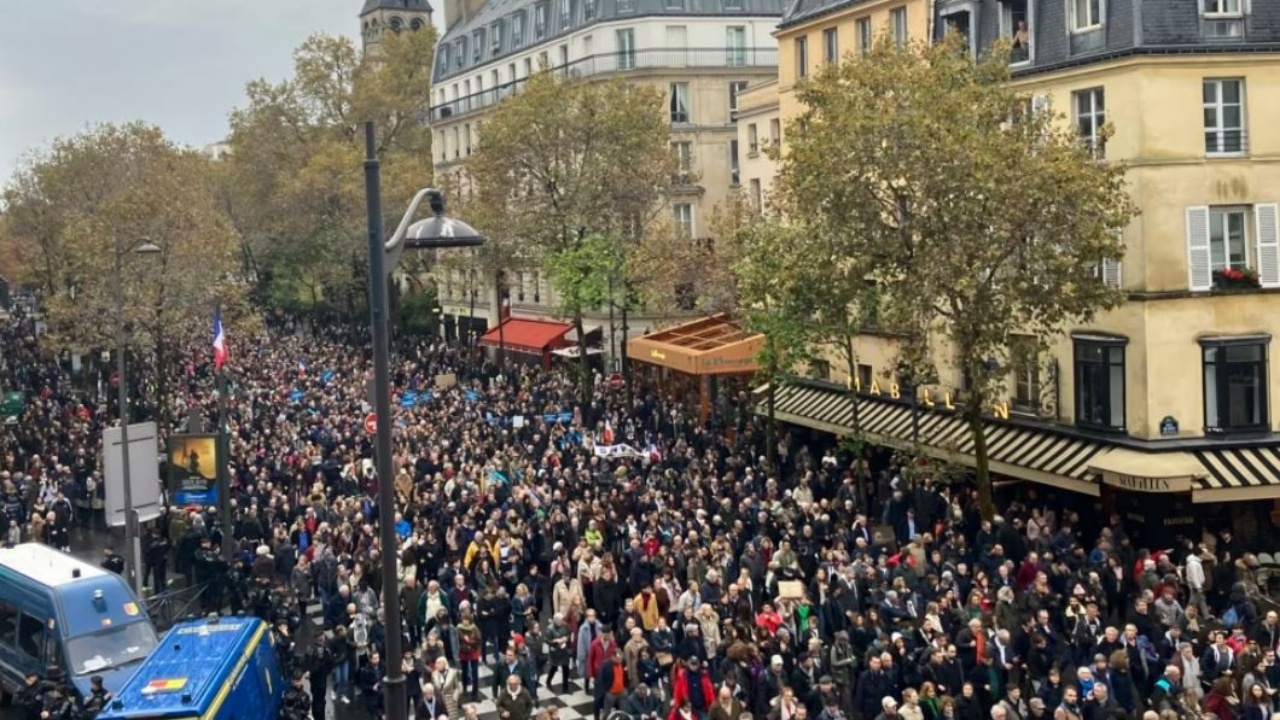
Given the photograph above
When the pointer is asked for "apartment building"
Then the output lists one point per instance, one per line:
(1160, 409)
(700, 53)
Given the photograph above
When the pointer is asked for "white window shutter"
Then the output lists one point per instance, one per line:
(1199, 268)
(1265, 214)
(1039, 103)
(1111, 273)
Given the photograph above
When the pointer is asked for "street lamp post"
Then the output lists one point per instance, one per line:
(140, 247)
(435, 232)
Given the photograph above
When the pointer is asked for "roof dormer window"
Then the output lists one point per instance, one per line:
(517, 29)
(495, 38)
(477, 46)
(566, 13)
(460, 56)
(540, 20)
(588, 10)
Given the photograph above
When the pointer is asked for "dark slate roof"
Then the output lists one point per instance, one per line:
(407, 5)
(800, 10)
(605, 11)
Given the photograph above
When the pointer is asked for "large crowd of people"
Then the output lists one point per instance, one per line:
(695, 580)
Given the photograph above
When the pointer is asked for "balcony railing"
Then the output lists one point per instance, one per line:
(602, 63)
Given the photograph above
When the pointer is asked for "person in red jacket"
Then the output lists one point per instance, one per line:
(600, 650)
(691, 685)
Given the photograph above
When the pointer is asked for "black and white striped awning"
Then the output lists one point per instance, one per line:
(1031, 453)
(1248, 473)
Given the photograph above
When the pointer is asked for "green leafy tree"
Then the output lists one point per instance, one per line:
(88, 201)
(293, 185)
(984, 219)
(569, 163)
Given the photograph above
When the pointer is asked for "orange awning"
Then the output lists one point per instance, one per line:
(713, 345)
(529, 336)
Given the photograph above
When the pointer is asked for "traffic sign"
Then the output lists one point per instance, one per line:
(616, 382)
(371, 423)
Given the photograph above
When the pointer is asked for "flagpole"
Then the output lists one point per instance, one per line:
(224, 456)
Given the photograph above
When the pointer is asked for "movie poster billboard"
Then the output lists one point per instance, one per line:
(193, 470)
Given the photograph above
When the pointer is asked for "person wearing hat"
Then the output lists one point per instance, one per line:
(888, 708)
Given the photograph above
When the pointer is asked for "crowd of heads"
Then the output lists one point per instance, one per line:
(703, 573)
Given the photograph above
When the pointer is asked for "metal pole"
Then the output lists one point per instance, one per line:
(613, 339)
(395, 699)
(134, 572)
(223, 455)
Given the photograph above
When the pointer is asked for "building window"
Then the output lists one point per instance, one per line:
(519, 286)
(898, 26)
(735, 43)
(495, 39)
(1099, 379)
(517, 29)
(477, 46)
(528, 67)
(1091, 115)
(735, 172)
(460, 54)
(1228, 238)
(864, 35)
(1086, 15)
(1015, 26)
(626, 39)
(588, 10)
(679, 102)
(732, 4)
(775, 131)
(540, 20)
(675, 4)
(416, 24)
(564, 57)
(537, 287)
(566, 13)
(1224, 116)
(683, 151)
(802, 57)
(1230, 8)
(626, 6)
(757, 195)
(735, 88)
(684, 218)
(1024, 359)
(866, 377)
(830, 45)
(466, 139)
(1235, 385)
(753, 140)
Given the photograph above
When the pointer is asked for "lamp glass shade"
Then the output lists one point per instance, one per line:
(440, 231)
(147, 248)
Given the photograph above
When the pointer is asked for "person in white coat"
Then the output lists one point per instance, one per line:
(1193, 574)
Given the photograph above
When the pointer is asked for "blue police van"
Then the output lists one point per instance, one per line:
(64, 619)
(211, 669)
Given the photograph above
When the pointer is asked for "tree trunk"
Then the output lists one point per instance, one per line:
(851, 360)
(981, 464)
(502, 331)
(584, 366)
(771, 429)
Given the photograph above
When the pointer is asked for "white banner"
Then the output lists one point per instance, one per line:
(144, 473)
(616, 451)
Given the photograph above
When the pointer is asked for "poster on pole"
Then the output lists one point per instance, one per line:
(144, 473)
(193, 469)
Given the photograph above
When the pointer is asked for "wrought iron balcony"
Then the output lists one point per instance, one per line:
(604, 63)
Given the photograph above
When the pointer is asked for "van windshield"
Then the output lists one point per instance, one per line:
(113, 648)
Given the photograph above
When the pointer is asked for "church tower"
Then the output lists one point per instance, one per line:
(382, 16)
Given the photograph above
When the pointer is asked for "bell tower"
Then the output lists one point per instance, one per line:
(383, 16)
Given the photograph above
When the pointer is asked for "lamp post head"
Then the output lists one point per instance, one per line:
(440, 230)
(146, 247)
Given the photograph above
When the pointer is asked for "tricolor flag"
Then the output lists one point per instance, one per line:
(302, 367)
(220, 353)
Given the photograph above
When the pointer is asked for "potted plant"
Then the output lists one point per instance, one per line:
(1235, 278)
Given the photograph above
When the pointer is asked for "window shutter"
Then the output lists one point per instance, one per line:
(1199, 269)
(1111, 272)
(1268, 244)
(1039, 104)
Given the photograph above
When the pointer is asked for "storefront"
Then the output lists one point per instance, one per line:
(708, 359)
(1163, 492)
(535, 340)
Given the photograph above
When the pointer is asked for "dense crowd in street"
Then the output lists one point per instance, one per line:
(694, 582)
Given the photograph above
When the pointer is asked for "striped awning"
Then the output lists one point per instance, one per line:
(1251, 473)
(1030, 453)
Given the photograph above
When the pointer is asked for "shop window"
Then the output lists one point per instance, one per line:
(1235, 385)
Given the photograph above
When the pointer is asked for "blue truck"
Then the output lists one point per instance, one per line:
(210, 669)
(65, 619)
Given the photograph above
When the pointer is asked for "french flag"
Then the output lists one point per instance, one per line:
(220, 353)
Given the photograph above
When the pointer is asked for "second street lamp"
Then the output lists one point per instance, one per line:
(134, 574)
(437, 231)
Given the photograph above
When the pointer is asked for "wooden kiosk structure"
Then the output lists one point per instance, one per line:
(702, 358)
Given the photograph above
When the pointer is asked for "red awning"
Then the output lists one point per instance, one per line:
(530, 336)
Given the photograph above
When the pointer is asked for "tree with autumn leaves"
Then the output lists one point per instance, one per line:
(979, 221)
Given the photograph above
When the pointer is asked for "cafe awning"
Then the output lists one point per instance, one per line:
(1151, 472)
(527, 336)
(712, 345)
(1249, 473)
(1030, 453)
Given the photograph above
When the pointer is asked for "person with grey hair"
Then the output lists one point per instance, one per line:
(557, 639)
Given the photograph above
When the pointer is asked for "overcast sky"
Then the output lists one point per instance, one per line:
(179, 64)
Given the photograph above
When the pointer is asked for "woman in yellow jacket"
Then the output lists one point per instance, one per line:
(647, 605)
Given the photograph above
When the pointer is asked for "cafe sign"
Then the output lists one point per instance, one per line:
(928, 398)
(1147, 484)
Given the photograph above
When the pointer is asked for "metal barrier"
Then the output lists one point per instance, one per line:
(168, 607)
